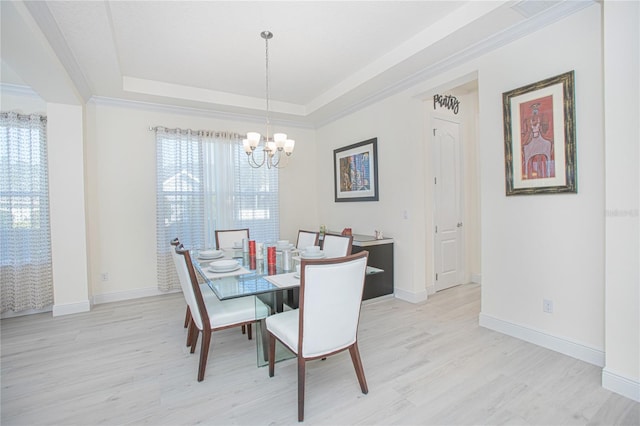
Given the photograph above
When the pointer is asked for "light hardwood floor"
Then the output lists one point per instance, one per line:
(126, 363)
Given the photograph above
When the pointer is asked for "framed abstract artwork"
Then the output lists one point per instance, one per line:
(355, 170)
(540, 137)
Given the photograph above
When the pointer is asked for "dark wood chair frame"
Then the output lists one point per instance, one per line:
(315, 243)
(349, 247)
(187, 316)
(204, 316)
(353, 349)
(228, 230)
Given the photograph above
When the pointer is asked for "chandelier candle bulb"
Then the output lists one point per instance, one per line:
(288, 146)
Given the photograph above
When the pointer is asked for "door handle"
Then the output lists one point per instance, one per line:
(459, 225)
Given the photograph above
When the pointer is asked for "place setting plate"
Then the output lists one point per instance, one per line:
(316, 255)
(224, 266)
(210, 254)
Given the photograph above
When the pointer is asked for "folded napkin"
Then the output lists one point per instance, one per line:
(213, 275)
(283, 280)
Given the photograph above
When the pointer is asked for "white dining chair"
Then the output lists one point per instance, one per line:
(226, 238)
(324, 324)
(306, 239)
(209, 314)
(337, 245)
(174, 243)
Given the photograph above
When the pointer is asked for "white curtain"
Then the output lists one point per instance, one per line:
(204, 183)
(25, 246)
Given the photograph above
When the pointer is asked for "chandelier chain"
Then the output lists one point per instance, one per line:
(266, 49)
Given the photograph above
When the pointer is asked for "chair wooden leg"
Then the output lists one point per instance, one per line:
(204, 353)
(301, 376)
(272, 355)
(190, 328)
(357, 364)
(187, 317)
(194, 337)
(248, 331)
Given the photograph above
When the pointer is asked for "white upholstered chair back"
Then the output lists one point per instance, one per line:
(190, 297)
(330, 299)
(306, 239)
(337, 245)
(225, 238)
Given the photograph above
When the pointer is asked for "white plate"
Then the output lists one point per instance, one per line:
(223, 264)
(210, 254)
(227, 269)
(209, 259)
(306, 255)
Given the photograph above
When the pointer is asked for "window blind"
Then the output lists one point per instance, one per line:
(204, 183)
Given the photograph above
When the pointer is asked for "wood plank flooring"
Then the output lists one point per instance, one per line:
(126, 363)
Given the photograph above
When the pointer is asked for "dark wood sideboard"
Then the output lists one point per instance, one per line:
(380, 257)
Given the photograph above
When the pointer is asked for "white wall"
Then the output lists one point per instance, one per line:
(622, 292)
(67, 208)
(546, 246)
(121, 191)
(533, 247)
(398, 124)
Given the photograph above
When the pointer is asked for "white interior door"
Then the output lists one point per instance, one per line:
(448, 250)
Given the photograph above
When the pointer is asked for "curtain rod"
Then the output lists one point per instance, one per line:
(212, 133)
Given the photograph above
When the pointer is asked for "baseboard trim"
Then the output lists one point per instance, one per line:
(71, 308)
(11, 314)
(138, 293)
(540, 338)
(625, 386)
(410, 297)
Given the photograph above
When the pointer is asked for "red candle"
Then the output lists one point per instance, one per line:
(252, 247)
(271, 269)
(271, 255)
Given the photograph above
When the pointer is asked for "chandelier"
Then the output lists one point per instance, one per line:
(274, 148)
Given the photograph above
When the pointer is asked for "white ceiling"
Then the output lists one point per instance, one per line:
(326, 57)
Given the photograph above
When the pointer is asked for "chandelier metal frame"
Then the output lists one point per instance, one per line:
(274, 148)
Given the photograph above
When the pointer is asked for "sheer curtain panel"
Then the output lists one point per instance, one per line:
(204, 183)
(25, 247)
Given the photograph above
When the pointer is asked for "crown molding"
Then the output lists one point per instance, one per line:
(19, 90)
(201, 112)
(500, 39)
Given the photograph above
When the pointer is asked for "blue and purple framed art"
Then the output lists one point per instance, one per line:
(355, 170)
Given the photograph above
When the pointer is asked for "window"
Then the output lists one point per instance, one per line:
(204, 183)
(25, 246)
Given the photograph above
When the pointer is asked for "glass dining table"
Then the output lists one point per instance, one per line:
(272, 285)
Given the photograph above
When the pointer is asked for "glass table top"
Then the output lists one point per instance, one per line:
(252, 283)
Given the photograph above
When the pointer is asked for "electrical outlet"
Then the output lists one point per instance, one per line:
(104, 276)
(547, 306)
